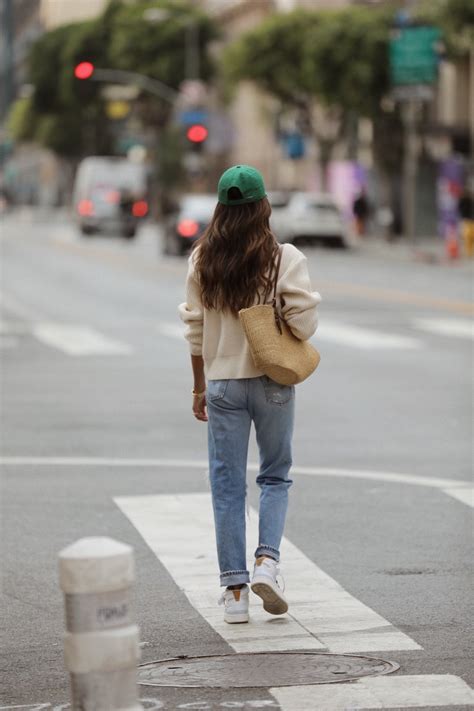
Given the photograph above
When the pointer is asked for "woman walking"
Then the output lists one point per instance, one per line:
(233, 267)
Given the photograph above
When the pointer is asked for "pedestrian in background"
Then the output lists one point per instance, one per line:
(361, 210)
(233, 268)
(466, 213)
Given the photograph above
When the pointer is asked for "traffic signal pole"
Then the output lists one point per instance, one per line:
(153, 86)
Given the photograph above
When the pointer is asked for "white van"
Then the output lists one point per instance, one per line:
(110, 195)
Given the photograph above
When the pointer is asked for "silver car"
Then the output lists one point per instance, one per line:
(309, 218)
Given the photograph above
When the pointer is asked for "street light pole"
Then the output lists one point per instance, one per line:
(192, 50)
(192, 64)
(153, 86)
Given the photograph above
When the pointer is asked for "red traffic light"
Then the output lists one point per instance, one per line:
(83, 70)
(197, 133)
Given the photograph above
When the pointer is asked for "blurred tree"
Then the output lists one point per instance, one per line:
(67, 114)
(456, 18)
(63, 113)
(21, 120)
(328, 66)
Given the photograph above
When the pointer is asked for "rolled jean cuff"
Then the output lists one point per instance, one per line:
(269, 551)
(235, 577)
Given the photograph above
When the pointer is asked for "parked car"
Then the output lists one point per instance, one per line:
(308, 218)
(110, 194)
(185, 226)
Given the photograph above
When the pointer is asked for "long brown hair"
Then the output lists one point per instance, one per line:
(235, 256)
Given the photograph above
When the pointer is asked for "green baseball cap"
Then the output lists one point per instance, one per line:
(247, 179)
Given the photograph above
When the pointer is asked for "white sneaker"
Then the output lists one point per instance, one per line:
(236, 605)
(264, 584)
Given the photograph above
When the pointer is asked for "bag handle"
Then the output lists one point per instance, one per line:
(277, 272)
(272, 286)
(274, 300)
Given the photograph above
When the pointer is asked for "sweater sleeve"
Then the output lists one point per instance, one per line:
(191, 312)
(299, 302)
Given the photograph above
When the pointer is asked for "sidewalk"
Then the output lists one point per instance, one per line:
(428, 250)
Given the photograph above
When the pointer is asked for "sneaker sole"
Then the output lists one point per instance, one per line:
(236, 619)
(272, 602)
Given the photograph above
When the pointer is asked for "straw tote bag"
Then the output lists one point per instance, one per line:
(275, 350)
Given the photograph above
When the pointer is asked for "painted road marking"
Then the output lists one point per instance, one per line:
(363, 338)
(336, 332)
(172, 330)
(375, 293)
(381, 692)
(459, 328)
(180, 531)
(465, 494)
(457, 488)
(150, 704)
(78, 340)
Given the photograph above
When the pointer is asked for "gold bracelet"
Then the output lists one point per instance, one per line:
(198, 394)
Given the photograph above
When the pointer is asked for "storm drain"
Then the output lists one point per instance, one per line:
(266, 669)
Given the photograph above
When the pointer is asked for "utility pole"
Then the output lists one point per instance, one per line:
(414, 55)
(410, 168)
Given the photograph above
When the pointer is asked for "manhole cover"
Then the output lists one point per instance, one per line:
(261, 669)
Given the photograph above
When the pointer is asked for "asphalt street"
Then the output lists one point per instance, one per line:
(98, 439)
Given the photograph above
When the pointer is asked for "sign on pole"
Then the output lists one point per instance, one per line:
(414, 55)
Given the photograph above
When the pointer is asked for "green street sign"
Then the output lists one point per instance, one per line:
(414, 55)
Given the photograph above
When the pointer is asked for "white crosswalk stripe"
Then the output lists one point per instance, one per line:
(334, 332)
(456, 327)
(363, 338)
(179, 530)
(381, 692)
(78, 340)
(172, 330)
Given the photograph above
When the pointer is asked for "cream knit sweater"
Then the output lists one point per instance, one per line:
(219, 337)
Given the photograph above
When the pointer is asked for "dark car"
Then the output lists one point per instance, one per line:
(187, 224)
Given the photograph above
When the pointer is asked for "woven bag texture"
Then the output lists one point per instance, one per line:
(281, 356)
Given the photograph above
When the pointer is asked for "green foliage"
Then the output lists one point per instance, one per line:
(339, 58)
(346, 58)
(456, 19)
(21, 120)
(69, 113)
(63, 106)
(274, 56)
(158, 49)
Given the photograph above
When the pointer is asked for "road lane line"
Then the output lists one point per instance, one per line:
(465, 494)
(388, 477)
(364, 338)
(381, 692)
(456, 488)
(375, 293)
(179, 529)
(459, 328)
(78, 340)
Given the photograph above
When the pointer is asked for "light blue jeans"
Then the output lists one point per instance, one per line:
(232, 407)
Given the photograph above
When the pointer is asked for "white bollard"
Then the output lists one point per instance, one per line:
(101, 643)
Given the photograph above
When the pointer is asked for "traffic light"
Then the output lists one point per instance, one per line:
(84, 70)
(197, 134)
